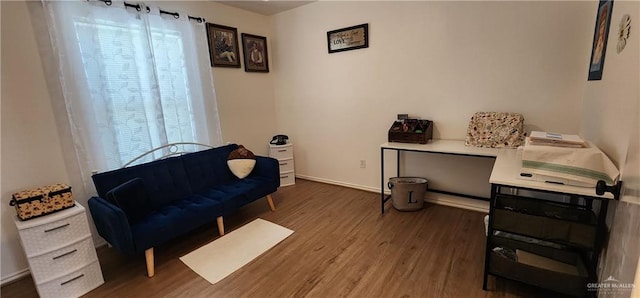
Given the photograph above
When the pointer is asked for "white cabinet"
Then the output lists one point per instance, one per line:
(284, 155)
(62, 257)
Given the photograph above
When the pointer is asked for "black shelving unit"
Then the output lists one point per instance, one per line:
(562, 232)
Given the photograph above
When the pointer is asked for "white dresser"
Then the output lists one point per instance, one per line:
(284, 155)
(61, 254)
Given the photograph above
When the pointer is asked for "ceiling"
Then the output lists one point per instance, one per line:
(265, 7)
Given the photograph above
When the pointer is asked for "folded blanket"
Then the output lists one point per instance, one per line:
(585, 165)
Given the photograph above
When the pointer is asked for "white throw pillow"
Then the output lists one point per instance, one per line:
(241, 167)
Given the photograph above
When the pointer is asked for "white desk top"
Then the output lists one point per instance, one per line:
(444, 146)
(506, 171)
(506, 168)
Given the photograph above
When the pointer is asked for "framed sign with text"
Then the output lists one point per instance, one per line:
(350, 38)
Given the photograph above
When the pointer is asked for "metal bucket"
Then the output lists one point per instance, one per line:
(407, 193)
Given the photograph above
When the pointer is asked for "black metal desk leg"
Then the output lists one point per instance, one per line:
(382, 180)
(487, 254)
(601, 234)
(397, 163)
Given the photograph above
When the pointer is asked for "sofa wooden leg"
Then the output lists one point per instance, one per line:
(148, 255)
(220, 225)
(270, 201)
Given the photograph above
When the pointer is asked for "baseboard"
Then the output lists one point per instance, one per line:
(339, 183)
(431, 197)
(99, 243)
(458, 202)
(15, 276)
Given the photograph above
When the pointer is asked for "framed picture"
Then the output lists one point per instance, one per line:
(223, 45)
(603, 20)
(256, 57)
(346, 39)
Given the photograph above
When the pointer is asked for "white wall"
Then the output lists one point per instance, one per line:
(34, 153)
(611, 112)
(437, 60)
(31, 150)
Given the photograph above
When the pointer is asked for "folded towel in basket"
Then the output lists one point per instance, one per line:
(585, 166)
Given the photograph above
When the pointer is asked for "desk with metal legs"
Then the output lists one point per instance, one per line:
(449, 147)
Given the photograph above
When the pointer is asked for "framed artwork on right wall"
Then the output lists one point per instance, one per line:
(599, 48)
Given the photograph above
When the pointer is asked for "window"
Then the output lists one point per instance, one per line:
(132, 81)
(139, 121)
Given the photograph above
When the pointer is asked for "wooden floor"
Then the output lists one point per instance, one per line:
(342, 246)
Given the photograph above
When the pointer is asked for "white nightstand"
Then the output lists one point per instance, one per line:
(61, 254)
(284, 155)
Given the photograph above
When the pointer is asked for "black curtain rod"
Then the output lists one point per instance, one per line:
(136, 6)
(174, 14)
(197, 19)
(139, 8)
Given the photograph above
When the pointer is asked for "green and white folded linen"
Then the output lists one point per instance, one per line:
(584, 165)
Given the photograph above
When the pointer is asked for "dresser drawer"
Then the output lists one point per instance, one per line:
(74, 284)
(286, 165)
(43, 238)
(57, 262)
(287, 178)
(281, 152)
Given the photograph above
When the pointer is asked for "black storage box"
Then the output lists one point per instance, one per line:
(566, 283)
(411, 131)
(545, 221)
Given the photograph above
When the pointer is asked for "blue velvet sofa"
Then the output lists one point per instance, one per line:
(142, 206)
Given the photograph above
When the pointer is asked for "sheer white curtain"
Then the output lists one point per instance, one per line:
(132, 80)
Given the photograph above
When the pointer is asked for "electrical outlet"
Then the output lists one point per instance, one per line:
(363, 164)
